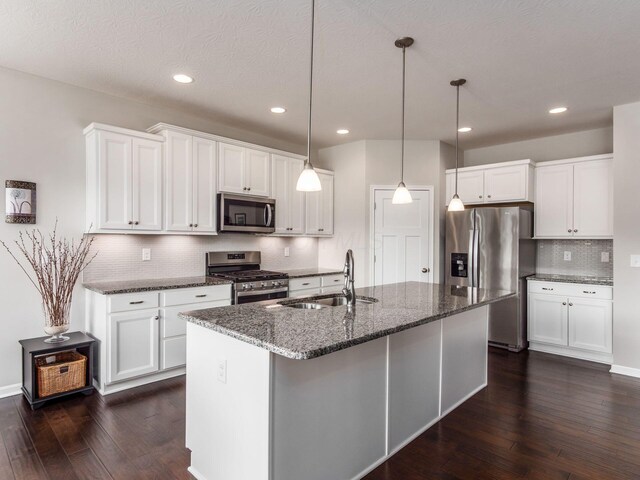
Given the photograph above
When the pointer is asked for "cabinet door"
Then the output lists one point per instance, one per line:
(147, 184)
(133, 344)
(296, 199)
(506, 184)
(319, 208)
(257, 173)
(590, 324)
(593, 198)
(548, 319)
(115, 181)
(470, 186)
(231, 165)
(554, 201)
(179, 182)
(280, 192)
(204, 185)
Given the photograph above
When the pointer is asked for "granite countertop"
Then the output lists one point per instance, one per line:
(304, 334)
(584, 279)
(133, 286)
(311, 272)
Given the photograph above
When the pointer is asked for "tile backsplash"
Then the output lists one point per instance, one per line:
(120, 256)
(585, 257)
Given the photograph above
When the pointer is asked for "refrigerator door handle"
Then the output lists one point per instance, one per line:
(472, 258)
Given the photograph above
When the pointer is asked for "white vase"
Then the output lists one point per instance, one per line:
(56, 327)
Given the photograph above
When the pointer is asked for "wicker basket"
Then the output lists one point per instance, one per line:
(60, 372)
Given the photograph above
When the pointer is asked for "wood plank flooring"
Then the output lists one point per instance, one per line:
(541, 417)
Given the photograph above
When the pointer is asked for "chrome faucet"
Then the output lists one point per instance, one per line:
(349, 289)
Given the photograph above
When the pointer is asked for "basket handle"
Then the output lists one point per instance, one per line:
(64, 369)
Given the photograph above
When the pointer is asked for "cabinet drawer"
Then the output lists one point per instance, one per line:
(305, 293)
(183, 296)
(304, 283)
(173, 325)
(572, 289)
(174, 352)
(333, 280)
(132, 301)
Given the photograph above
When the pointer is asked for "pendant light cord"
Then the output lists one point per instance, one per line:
(403, 96)
(313, 11)
(457, 131)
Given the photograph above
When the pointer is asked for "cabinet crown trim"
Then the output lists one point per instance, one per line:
(493, 165)
(124, 131)
(565, 161)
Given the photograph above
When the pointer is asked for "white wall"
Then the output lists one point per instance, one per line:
(41, 140)
(626, 237)
(569, 145)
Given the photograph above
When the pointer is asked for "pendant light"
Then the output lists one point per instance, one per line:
(308, 181)
(456, 205)
(402, 195)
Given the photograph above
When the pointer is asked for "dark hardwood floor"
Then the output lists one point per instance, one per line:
(542, 417)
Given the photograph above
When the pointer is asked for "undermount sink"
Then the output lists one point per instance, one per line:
(332, 301)
(341, 300)
(305, 306)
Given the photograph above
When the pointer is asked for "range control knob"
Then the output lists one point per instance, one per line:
(263, 284)
(247, 286)
(276, 284)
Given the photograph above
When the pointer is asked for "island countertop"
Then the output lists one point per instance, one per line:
(305, 334)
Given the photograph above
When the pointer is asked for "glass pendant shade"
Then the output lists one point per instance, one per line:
(401, 195)
(456, 205)
(308, 181)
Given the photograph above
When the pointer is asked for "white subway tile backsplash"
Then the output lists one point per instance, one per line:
(120, 256)
(585, 257)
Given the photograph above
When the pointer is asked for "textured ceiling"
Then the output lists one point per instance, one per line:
(520, 57)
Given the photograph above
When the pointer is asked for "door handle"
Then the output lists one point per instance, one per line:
(586, 291)
(201, 296)
(136, 303)
(268, 214)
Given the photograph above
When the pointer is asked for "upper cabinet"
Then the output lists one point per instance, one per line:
(290, 204)
(496, 183)
(124, 179)
(319, 207)
(190, 183)
(243, 170)
(574, 198)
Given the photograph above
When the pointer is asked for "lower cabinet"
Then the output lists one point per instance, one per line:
(141, 337)
(575, 320)
(318, 285)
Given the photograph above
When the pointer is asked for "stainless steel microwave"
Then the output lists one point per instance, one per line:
(246, 214)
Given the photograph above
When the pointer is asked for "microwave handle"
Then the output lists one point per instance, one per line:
(268, 213)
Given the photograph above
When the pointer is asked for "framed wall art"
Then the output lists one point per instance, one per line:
(20, 202)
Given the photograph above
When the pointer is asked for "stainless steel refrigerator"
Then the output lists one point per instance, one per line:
(492, 248)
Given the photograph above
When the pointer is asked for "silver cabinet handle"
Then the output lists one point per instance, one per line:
(244, 188)
(586, 291)
(547, 288)
(136, 303)
(564, 303)
(307, 283)
(201, 296)
(337, 280)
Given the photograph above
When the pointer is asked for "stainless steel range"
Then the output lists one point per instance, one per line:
(250, 284)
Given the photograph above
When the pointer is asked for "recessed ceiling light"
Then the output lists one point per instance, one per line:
(465, 129)
(558, 110)
(342, 131)
(278, 109)
(182, 78)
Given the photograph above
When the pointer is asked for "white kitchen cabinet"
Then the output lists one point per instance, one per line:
(571, 319)
(319, 207)
(243, 170)
(290, 204)
(574, 198)
(190, 200)
(124, 179)
(494, 183)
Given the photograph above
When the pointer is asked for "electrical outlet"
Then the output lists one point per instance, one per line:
(635, 261)
(221, 371)
(286, 251)
(567, 256)
(146, 254)
(604, 257)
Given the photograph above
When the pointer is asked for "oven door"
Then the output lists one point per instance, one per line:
(246, 214)
(261, 295)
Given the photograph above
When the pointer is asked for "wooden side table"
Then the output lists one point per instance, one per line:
(34, 347)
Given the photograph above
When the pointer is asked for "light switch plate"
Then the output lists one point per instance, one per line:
(286, 251)
(635, 261)
(604, 257)
(567, 256)
(221, 371)
(146, 254)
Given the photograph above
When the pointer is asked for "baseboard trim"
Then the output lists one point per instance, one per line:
(139, 381)
(195, 473)
(10, 390)
(597, 357)
(628, 371)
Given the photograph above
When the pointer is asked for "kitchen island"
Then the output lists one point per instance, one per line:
(282, 393)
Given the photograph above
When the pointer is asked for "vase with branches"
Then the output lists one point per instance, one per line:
(53, 266)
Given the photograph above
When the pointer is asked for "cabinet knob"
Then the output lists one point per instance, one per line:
(575, 230)
(564, 303)
(479, 196)
(130, 222)
(321, 229)
(569, 230)
(570, 304)
(426, 270)
(244, 188)
(136, 223)
(488, 196)
(195, 225)
(156, 318)
(191, 225)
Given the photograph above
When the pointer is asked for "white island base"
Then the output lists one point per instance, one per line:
(256, 415)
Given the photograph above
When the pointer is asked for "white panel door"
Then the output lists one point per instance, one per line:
(133, 344)
(470, 186)
(204, 185)
(231, 165)
(548, 318)
(403, 238)
(257, 173)
(554, 201)
(296, 199)
(280, 192)
(593, 199)
(179, 182)
(590, 324)
(506, 184)
(147, 184)
(115, 182)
